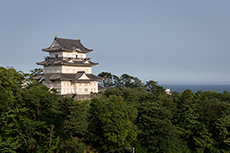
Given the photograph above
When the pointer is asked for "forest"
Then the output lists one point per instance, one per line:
(129, 115)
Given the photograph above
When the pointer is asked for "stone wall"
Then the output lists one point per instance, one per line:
(83, 97)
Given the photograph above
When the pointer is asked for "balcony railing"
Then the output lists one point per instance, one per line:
(65, 58)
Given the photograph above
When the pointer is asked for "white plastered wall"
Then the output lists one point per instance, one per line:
(68, 87)
(66, 69)
(68, 54)
(87, 87)
(74, 69)
(53, 69)
(53, 54)
(57, 85)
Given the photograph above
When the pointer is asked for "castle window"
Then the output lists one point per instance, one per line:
(86, 90)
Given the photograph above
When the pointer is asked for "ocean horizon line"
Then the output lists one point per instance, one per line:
(197, 87)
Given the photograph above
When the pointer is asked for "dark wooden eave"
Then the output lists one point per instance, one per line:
(75, 77)
(56, 61)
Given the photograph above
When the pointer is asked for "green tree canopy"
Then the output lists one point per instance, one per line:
(112, 123)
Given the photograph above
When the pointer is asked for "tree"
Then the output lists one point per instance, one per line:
(153, 88)
(109, 80)
(36, 71)
(12, 120)
(130, 81)
(14, 128)
(190, 129)
(112, 123)
(222, 127)
(75, 116)
(10, 87)
(157, 132)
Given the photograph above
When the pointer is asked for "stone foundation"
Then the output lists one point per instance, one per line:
(82, 97)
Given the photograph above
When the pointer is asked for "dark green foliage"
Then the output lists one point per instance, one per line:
(36, 71)
(130, 81)
(112, 123)
(10, 87)
(153, 88)
(109, 81)
(157, 132)
(75, 116)
(30, 117)
(124, 80)
(222, 127)
(129, 114)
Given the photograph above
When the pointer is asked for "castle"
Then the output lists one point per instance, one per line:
(67, 69)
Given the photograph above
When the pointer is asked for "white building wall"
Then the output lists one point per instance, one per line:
(68, 54)
(73, 54)
(60, 54)
(67, 87)
(53, 69)
(81, 55)
(57, 85)
(87, 87)
(74, 69)
(66, 69)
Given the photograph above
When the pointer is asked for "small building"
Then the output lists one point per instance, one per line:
(167, 91)
(67, 69)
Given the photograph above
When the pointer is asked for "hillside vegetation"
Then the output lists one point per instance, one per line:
(129, 114)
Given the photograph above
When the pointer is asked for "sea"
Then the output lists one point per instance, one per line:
(195, 88)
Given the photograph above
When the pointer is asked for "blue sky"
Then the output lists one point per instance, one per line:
(176, 42)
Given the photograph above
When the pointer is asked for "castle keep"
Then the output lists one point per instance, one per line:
(67, 68)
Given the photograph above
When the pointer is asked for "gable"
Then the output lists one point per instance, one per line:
(55, 44)
(84, 77)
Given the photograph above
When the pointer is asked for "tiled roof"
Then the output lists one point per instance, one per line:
(66, 76)
(67, 45)
(62, 61)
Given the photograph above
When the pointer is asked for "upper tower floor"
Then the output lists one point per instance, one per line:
(67, 56)
(67, 48)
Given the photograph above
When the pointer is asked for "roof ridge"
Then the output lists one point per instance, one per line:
(66, 38)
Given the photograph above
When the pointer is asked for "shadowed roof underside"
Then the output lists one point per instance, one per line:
(72, 77)
(67, 62)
